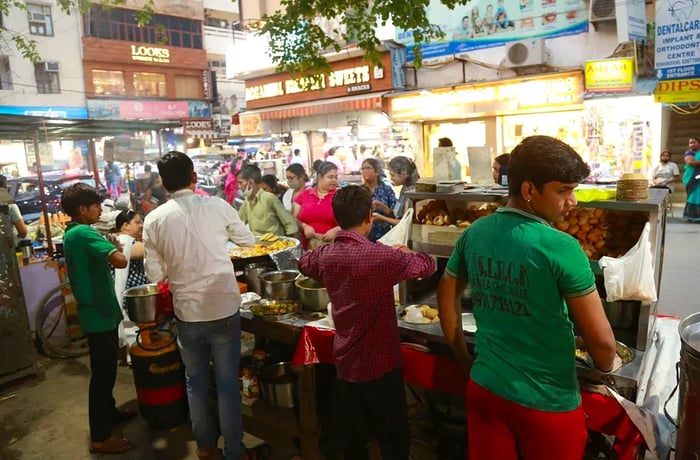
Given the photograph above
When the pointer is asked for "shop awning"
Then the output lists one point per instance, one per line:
(371, 101)
(205, 134)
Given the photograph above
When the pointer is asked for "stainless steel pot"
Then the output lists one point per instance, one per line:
(312, 295)
(278, 385)
(252, 276)
(141, 303)
(279, 285)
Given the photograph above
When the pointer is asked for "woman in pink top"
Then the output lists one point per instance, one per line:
(313, 210)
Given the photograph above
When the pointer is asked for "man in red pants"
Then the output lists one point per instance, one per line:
(526, 279)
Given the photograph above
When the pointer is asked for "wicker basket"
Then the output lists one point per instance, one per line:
(633, 187)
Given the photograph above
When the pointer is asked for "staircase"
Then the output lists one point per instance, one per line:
(681, 128)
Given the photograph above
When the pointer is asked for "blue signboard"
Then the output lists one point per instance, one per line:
(490, 23)
(677, 39)
(44, 111)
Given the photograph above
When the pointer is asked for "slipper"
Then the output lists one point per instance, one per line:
(111, 445)
(122, 415)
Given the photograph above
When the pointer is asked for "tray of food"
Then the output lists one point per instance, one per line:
(624, 353)
(419, 314)
(274, 310)
(265, 245)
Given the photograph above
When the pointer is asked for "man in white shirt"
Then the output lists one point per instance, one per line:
(20, 228)
(186, 242)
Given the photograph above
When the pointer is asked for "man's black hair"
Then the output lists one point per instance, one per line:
(77, 195)
(297, 152)
(542, 159)
(351, 206)
(249, 171)
(175, 169)
(147, 168)
(3, 181)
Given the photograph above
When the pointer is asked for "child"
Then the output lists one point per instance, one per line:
(359, 276)
(88, 256)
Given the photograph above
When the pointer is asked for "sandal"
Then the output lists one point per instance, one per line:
(111, 445)
(123, 415)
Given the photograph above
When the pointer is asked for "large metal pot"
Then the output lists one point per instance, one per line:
(279, 285)
(278, 385)
(312, 295)
(687, 440)
(141, 303)
(252, 275)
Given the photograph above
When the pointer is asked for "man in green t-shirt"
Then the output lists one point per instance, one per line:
(88, 258)
(527, 279)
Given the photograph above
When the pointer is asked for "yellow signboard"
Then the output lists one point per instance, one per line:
(251, 124)
(514, 96)
(678, 91)
(610, 75)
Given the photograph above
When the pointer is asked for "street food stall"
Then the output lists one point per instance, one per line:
(608, 399)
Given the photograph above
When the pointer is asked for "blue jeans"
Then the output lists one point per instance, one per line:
(219, 341)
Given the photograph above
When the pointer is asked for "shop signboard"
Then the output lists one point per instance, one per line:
(111, 109)
(487, 23)
(348, 76)
(251, 124)
(610, 75)
(678, 91)
(44, 111)
(510, 96)
(677, 39)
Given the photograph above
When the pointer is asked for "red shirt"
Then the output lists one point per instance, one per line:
(316, 212)
(360, 278)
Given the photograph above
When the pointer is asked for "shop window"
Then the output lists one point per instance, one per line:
(119, 24)
(216, 22)
(46, 75)
(5, 73)
(188, 87)
(148, 84)
(40, 22)
(108, 82)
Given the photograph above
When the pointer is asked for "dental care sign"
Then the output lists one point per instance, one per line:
(677, 39)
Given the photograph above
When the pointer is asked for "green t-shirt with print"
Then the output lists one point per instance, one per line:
(91, 281)
(520, 269)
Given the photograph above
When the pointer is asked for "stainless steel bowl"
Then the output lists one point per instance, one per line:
(312, 295)
(141, 303)
(279, 285)
(278, 385)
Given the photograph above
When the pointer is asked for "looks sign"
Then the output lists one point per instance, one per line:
(150, 54)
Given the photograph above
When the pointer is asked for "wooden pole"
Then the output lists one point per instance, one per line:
(93, 160)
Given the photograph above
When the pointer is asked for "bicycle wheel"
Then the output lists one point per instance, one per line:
(59, 336)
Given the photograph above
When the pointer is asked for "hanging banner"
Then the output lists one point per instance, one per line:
(488, 23)
(677, 39)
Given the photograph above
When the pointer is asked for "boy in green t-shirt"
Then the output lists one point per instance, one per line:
(88, 257)
(526, 279)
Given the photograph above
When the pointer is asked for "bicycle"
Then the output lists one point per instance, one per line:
(59, 335)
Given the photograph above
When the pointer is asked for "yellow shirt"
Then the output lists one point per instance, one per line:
(265, 214)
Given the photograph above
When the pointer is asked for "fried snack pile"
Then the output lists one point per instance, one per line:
(604, 232)
(260, 249)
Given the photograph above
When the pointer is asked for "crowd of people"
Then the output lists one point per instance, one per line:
(525, 407)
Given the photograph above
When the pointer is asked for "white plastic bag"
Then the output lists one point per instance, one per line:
(399, 233)
(631, 277)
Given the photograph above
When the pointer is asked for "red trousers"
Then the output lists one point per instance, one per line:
(500, 429)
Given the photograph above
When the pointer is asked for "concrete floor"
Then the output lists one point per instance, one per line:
(45, 417)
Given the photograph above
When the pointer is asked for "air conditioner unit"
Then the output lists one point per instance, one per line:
(37, 17)
(602, 10)
(525, 52)
(51, 66)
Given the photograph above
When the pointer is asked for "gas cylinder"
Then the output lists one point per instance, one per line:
(159, 377)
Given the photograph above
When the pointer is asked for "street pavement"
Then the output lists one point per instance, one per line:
(681, 268)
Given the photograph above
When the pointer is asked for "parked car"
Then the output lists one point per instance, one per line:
(25, 191)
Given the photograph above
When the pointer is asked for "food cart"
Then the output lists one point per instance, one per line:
(427, 358)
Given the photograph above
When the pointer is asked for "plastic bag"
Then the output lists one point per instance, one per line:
(631, 277)
(399, 233)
